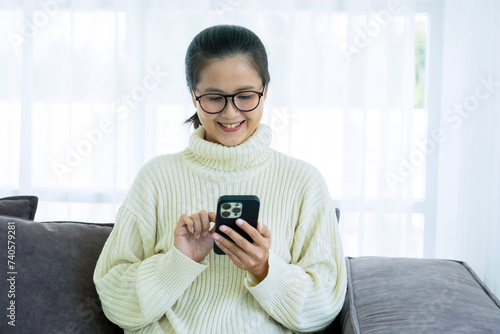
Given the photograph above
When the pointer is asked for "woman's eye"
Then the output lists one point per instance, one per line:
(244, 97)
(215, 98)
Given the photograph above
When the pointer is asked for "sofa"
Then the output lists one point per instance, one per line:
(49, 287)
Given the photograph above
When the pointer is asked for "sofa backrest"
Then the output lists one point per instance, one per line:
(49, 286)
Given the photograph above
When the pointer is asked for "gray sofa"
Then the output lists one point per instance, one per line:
(53, 292)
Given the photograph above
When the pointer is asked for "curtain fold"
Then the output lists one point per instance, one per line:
(103, 91)
(93, 89)
(468, 216)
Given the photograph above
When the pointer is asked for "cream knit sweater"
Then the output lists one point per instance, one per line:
(147, 286)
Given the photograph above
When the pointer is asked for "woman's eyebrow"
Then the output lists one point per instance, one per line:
(249, 87)
(213, 90)
(217, 90)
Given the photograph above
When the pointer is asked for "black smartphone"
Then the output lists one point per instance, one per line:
(230, 208)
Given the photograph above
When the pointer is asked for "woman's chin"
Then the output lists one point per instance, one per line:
(232, 137)
(232, 140)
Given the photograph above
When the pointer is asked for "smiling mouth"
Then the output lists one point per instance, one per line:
(230, 126)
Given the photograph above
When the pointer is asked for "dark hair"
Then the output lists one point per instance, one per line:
(220, 42)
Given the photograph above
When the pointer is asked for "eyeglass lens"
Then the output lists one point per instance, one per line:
(244, 101)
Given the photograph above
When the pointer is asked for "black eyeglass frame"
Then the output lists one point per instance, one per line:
(260, 94)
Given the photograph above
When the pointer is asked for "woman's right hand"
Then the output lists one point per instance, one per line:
(193, 236)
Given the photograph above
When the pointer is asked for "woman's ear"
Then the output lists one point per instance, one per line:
(265, 91)
(193, 98)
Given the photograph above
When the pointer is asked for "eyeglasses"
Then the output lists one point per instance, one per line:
(244, 101)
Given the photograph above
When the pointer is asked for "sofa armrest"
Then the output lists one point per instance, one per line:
(404, 295)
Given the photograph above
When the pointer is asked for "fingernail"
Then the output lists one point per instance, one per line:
(216, 236)
(239, 221)
(223, 228)
(204, 234)
(191, 229)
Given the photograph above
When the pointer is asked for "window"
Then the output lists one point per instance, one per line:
(99, 90)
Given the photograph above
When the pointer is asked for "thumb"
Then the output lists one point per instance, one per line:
(211, 218)
(263, 230)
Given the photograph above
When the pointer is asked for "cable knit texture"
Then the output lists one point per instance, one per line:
(146, 285)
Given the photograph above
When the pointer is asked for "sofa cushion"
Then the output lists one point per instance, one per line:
(19, 206)
(401, 295)
(51, 284)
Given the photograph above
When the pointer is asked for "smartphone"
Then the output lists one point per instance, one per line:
(230, 208)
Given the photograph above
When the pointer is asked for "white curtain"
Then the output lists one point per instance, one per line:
(468, 215)
(92, 89)
(96, 88)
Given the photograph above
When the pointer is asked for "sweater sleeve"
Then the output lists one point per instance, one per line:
(306, 294)
(136, 286)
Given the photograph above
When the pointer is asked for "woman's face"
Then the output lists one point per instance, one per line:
(229, 76)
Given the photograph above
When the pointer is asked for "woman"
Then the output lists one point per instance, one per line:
(158, 273)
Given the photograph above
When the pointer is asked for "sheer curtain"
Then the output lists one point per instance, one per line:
(96, 88)
(90, 90)
(468, 212)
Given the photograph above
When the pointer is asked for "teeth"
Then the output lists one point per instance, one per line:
(231, 126)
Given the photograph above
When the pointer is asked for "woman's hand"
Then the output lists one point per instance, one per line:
(193, 236)
(252, 257)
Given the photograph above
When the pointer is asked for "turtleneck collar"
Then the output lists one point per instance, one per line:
(252, 152)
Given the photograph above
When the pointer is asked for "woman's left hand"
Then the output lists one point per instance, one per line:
(252, 257)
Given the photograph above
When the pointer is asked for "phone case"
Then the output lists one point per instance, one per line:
(230, 208)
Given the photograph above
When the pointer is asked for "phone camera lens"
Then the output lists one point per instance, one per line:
(225, 214)
(236, 210)
(226, 206)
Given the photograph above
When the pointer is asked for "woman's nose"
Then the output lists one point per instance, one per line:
(230, 110)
